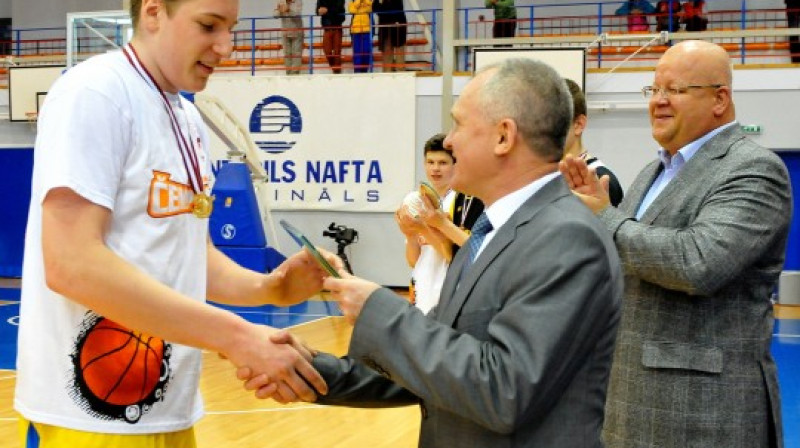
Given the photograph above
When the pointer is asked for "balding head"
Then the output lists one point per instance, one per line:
(701, 61)
(694, 78)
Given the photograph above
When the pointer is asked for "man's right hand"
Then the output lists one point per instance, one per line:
(322, 10)
(262, 384)
(583, 181)
(285, 363)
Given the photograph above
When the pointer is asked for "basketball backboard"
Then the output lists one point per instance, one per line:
(91, 33)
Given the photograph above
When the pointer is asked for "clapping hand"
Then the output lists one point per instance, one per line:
(583, 181)
(410, 226)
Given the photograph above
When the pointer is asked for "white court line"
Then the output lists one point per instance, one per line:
(281, 314)
(293, 326)
(786, 335)
(326, 316)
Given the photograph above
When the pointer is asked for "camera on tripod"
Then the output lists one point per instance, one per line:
(344, 236)
(341, 234)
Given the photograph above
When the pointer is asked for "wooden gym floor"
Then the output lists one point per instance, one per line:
(235, 419)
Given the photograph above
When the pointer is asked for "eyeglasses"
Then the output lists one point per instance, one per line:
(666, 92)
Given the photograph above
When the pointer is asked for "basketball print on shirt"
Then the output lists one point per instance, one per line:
(118, 373)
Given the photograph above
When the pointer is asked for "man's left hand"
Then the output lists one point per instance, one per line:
(351, 293)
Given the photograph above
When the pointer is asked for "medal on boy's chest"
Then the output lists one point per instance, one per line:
(202, 205)
(191, 154)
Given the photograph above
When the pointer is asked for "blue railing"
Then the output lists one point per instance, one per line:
(257, 39)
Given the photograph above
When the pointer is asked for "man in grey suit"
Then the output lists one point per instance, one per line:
(701, 234)
(518, 351)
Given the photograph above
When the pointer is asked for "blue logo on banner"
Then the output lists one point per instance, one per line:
(275, 123)
(228, 231)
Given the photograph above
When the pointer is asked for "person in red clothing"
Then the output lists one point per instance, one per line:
(668, 13)
(793, 21)
(694, 18)
(331, 13)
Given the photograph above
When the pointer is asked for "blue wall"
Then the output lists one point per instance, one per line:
(792, 161)
(16, 166)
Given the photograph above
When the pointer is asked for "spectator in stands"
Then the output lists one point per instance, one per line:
(637, 11)
(505, 18)
(332, 14)
(668, 14)
(694, 18)
(361, 34)
(574, 143)
(292, 28)
(793, 21)
(391, 33)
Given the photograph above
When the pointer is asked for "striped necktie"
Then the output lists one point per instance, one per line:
(481, 228)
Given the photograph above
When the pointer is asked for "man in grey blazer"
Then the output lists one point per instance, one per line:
(701, 234)
(518, 351)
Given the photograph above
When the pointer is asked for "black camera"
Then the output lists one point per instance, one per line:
(342, 235)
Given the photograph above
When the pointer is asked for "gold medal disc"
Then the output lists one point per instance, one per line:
(202, 205)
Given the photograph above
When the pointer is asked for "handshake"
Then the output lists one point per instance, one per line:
(275, 363)
(289, 376)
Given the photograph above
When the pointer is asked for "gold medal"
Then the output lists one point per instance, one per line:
(202, 205)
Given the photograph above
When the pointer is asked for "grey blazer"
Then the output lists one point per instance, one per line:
(517, 355)
(693, 366)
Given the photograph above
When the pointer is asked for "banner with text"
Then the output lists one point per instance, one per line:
(342, 143)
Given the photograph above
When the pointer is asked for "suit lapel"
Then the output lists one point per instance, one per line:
(693, 172)
(633, 200)
(454, 295)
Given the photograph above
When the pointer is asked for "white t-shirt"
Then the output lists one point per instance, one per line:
(105, 133)
(430, 269)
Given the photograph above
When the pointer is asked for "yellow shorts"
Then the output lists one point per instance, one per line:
(37, 435)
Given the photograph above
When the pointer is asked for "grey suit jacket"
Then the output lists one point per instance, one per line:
(693, 366)
(517, 355)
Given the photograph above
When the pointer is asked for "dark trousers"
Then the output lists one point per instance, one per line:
(332, 46)
(504, 28)
(793, 21)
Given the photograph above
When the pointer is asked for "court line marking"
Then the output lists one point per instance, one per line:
(250, 411)
(282, 314)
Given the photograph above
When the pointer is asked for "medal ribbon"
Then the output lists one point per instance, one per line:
(187, 150)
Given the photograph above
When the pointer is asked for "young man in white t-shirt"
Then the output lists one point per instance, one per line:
(118, 262)
(435, 233)
(428, 253)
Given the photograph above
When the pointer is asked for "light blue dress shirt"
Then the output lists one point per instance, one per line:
(672, 165)
(502, 209)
